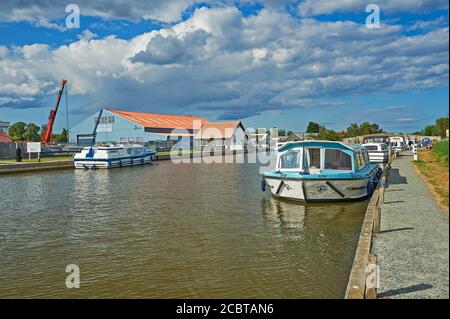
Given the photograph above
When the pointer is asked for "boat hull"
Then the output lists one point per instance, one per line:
(316, 190)
(378, 156)
(112, 163)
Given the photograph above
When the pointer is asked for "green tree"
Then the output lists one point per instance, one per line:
(431, 130)
(441, 126)
(353, 130)
(61, 138)
(329, 135)
(365, 128)
(428, 130)
(32, 132)
(281, 132)
(313, 127)
(16, 131)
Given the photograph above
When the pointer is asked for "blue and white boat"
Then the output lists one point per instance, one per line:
(113, 156)
(322, 171)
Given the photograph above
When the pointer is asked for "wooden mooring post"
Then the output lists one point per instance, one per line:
(363, 281)
(363, 276)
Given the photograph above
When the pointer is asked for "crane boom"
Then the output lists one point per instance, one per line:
(47, 136)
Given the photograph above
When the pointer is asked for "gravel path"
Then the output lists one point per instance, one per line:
(413, 247)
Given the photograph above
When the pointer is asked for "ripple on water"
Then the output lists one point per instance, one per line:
(170, 231)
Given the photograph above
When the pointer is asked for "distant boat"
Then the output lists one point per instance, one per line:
(378, 152)
(322, 171)
(112, 156)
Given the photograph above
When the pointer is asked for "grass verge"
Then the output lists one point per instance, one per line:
(35, 160)
(433, 167)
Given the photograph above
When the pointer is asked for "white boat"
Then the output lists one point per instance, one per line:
(322, 171)
(378, 152)
(397, 144)
(112, 156)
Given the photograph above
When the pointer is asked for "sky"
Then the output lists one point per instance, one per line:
(268, 63)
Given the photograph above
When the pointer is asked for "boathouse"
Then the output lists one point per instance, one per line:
(221, 136)
(159, 130)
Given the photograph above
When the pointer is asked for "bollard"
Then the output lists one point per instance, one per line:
(382, 187)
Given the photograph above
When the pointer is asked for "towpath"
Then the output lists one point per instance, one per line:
(413, 246)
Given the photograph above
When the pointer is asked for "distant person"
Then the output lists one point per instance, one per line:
(18, 154)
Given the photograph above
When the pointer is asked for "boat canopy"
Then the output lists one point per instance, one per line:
(318, 157)
(322, 144)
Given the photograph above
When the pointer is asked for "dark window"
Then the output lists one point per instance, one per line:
(314, 158)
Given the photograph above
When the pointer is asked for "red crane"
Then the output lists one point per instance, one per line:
(47, 136)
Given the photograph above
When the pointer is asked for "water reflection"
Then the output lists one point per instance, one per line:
(187, 230)
(293, 215)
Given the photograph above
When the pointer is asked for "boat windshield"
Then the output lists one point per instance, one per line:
(375, 139)
(290, 160)
(135, 150)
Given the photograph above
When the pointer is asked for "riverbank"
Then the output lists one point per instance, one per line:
(35, 160)
(432, 166)
(23, 167)
(412, 248)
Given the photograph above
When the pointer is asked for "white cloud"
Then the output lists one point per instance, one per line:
(42, 11)
(314, 7)
(231, 66)
(87, 35)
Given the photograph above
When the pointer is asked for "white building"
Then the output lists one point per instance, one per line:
(217, 136)
(4, 127)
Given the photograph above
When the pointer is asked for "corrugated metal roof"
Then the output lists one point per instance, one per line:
(166, 121)
(217, 130)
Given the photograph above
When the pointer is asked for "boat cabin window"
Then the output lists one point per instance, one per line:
(290, 160)
(362, 158)
(366, 156)
(313, 156)
(337, 159)
(371, 147)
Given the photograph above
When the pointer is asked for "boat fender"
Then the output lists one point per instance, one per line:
(370, 188)
(263, 185)
(379, 173)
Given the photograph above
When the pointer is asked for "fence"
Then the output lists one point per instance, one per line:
(7, 150)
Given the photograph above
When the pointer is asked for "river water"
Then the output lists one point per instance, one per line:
(170, 231)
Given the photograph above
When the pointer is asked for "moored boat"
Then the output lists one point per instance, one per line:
(322, 171)
(112, 156)
(378, 152)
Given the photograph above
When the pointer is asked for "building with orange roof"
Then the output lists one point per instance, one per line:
(221, 136)
(117, 126)
(4, 138)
